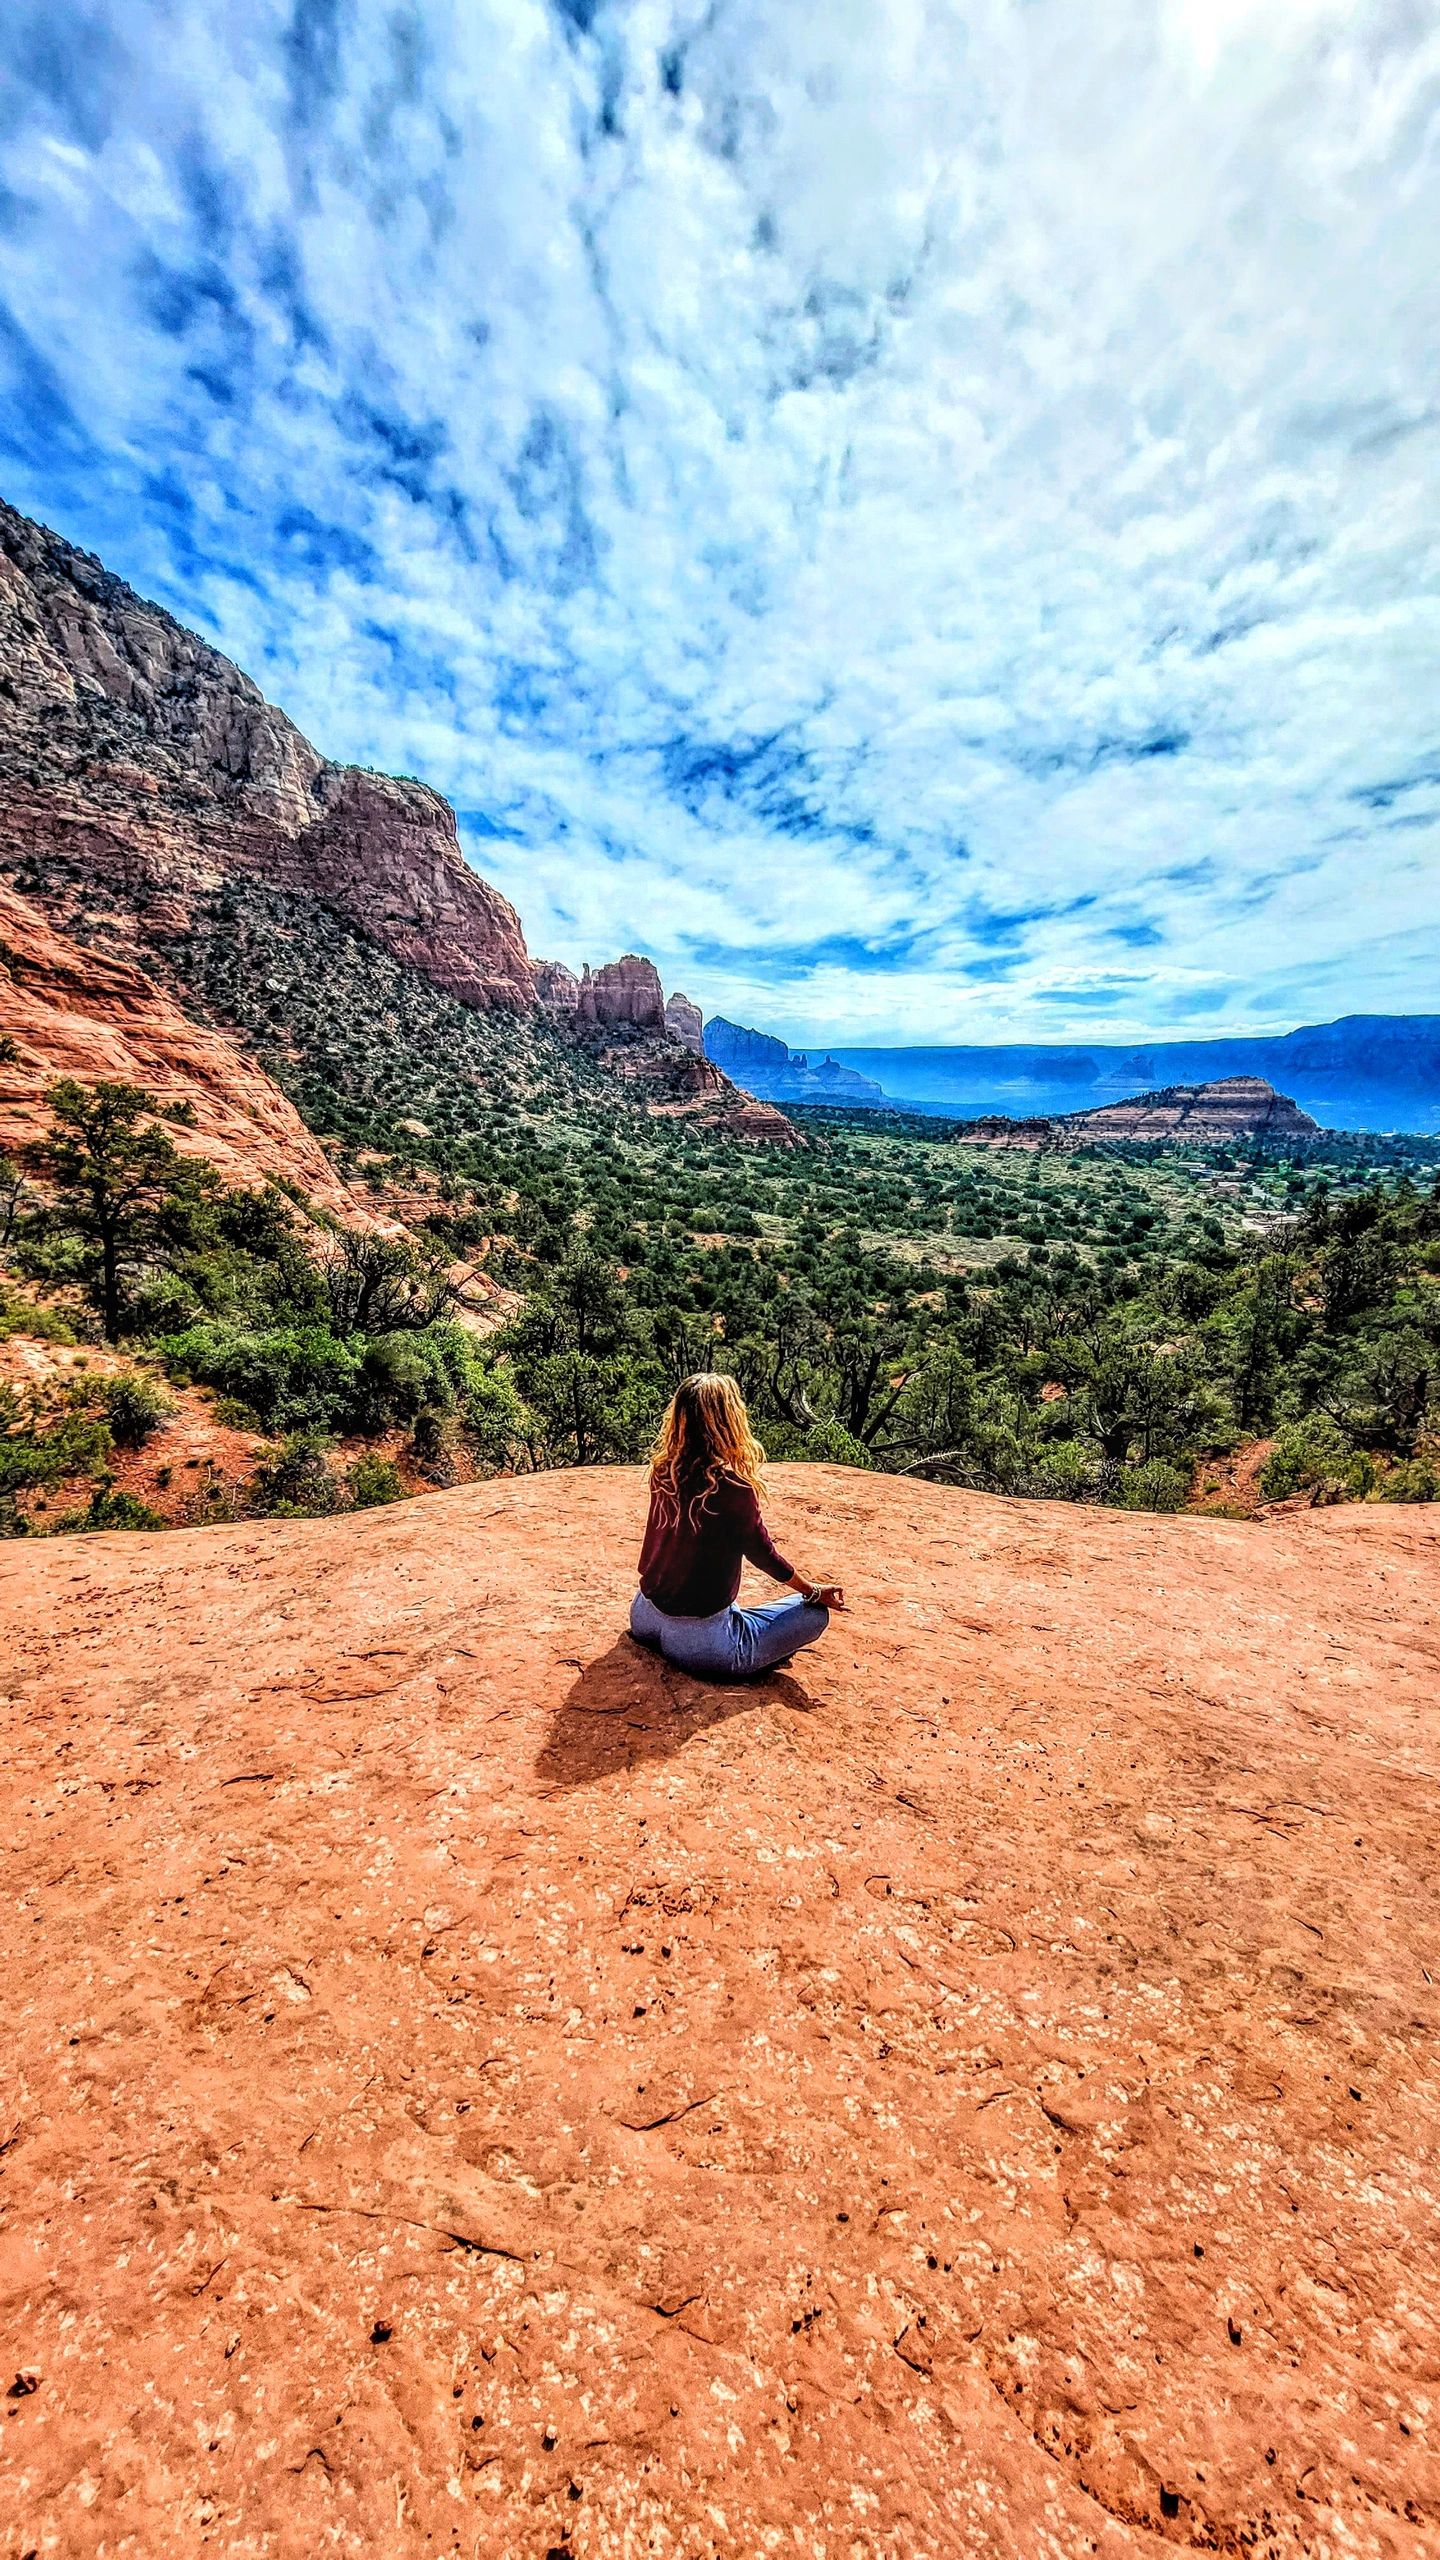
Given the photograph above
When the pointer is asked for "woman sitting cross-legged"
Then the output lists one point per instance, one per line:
(704, 1519)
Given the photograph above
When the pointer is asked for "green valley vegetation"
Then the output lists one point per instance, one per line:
(1111, 1325)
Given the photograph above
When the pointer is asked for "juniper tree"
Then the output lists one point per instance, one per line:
(122, 1188)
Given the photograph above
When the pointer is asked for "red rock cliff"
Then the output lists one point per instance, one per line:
(131, 744)
(626, 991)
(139, 768)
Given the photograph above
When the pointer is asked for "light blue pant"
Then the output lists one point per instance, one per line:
(734, 1642)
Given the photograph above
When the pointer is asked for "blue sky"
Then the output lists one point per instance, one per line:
(924, 518)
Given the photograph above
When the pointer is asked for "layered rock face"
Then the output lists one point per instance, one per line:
(73, 1012)
(624, 993)
(387, 855)
(971, 2096)
(1238, 1108)
(1234, 1107)
(129, 741)
(556, 987)
(685, 1023)
(676, 1081)
(740, 1116)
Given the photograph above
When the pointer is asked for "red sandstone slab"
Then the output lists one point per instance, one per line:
(471, 2089)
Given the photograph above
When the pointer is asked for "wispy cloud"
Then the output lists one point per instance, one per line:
(924, 518)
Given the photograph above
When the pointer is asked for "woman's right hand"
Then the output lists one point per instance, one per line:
(831, 1595)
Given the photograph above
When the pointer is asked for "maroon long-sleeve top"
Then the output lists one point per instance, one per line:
(690, 1562)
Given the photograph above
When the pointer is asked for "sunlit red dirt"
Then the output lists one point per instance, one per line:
(471, 2089)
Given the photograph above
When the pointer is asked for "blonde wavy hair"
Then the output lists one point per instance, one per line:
(705, 1435)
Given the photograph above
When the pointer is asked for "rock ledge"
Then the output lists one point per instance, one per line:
(475, 2090)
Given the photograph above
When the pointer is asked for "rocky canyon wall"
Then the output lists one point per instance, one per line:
(141, 773)
(129, 743)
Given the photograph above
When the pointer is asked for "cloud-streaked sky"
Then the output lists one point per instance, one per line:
(925, 518)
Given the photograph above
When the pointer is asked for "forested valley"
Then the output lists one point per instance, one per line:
(1147, 1327)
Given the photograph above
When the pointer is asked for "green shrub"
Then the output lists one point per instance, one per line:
(493, 1418)
(433, 1441)
(297, 1484)
(829, 1444)
(294, 1378)
(163, 1303)
(135, 1407)
(401, 1373)
(40, 1449)
(36, 1323)
(1065, 1471)
(1152, 1487)
(1414, 1480)
(1313, 1454)
(109, 1509)
(373, 1481)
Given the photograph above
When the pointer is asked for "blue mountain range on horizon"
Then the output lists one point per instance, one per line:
(1364, 1071)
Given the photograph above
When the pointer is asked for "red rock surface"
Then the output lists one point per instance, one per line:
(140, 769)
(758, 1124)
(557, 987)
(73, 1012)
(472, 2089)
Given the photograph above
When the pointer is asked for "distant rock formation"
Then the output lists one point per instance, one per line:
(770, 1068)
(556, 987)
(1366, 1071)
(754, 1058)
(1238, 1108)
(1233, 1107)
(677, 1082)
(685, 1022)
(625, 991)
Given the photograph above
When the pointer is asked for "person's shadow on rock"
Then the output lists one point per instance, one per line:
(629, 1705)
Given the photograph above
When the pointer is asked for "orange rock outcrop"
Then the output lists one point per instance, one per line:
(624, 992)
(472, 2089)
(74, 1012)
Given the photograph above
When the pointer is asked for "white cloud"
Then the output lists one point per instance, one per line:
(899, 510)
